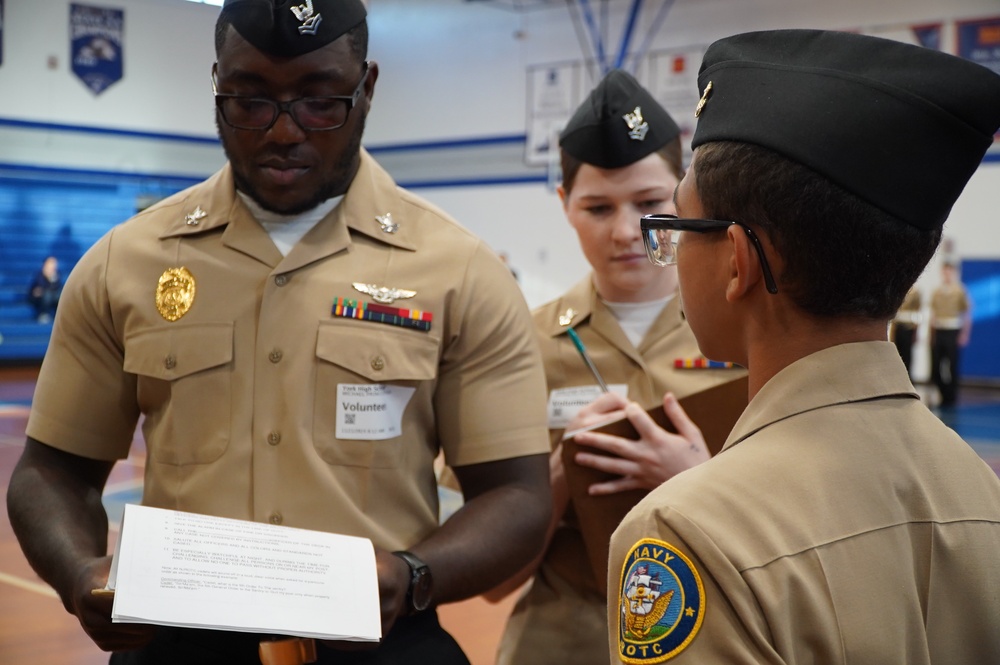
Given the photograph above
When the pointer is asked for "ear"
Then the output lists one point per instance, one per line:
(561, 191)
(744, 265)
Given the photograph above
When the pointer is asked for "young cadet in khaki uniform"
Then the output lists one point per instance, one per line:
(621, 158)
(302, 338)
(842, 522)
(904, 326)
(951, 323)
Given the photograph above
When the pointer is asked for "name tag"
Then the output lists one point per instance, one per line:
(371, 412)
(565, 403)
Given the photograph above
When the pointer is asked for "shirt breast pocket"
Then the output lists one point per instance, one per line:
(360, 355)
(184, 390)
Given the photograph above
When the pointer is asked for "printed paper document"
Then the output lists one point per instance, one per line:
(181, 569)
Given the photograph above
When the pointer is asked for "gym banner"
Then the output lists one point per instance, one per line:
(96, 45)
(979, 41)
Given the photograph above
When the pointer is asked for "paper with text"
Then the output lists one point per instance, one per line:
(174, 568)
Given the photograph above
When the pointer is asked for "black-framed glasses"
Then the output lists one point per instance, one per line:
(317, 114)
(661, 232)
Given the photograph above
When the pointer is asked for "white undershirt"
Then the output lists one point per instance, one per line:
(636, 318)
(287, 230)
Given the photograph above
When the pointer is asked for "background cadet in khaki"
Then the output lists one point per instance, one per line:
(219, 315)
(951, 324)
(842, 522)
(904, 326)
(627, 314)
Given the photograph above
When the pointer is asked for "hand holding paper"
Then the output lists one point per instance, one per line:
(180, 569)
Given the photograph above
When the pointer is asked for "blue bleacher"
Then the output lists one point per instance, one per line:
(56, 214)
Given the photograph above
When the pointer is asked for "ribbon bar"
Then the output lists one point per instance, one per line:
(350, 308)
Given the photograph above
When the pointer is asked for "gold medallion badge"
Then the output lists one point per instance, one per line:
(175, 293)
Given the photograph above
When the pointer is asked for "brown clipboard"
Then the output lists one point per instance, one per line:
(715, 411)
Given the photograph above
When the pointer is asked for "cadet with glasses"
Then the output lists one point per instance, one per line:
(296, 333)
(621, 158)
(842, 522)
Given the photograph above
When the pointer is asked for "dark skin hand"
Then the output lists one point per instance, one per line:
(62, 491)
(54, 505)
(480, 545)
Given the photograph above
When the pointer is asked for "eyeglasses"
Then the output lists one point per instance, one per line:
(660, 234)
(317, 114)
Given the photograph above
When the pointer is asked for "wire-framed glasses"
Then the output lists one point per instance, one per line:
(317, 114)
(661, 232)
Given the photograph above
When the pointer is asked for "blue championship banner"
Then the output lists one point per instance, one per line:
(95, 35)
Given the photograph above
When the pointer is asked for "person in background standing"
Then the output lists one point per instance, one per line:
(951, 326)
(904, 327)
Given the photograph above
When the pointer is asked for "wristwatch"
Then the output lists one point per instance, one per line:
(418, 596)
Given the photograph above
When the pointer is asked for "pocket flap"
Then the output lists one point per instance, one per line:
(175, 351)
(379, 353)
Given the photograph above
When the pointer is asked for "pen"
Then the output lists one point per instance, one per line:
(586, 358)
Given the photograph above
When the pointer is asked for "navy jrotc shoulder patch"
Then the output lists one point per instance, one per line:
(661, 603)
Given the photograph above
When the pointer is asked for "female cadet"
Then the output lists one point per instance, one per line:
(621, 159)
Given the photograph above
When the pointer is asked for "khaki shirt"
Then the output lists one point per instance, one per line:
(648, 371)
(841, 523)
(908, 315)
(949, 305)
(240, 396)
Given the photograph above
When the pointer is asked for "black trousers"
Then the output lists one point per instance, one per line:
(903, 336)
(944, 364)
(416, 640)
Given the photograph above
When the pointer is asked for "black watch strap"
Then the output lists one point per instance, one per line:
(418, 594)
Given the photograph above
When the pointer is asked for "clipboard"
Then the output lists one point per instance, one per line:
(715, 411)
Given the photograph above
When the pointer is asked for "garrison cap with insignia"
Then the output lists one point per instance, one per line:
(289, 28)
(900, 126)
(618, 124)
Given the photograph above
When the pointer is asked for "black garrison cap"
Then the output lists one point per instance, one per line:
(900, 126)
(618, 124)
(292, 27)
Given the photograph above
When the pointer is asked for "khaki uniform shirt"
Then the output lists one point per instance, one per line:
(561, 618)
(949, 305)
(841, 523)
(242, 396)
(648, 371)
(908, 315)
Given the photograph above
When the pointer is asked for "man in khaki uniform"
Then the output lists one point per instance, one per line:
(951, 323)
(842, 522)
(302, 338)
(627, 315)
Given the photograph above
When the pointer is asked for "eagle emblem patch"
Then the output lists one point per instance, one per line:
(661, 603)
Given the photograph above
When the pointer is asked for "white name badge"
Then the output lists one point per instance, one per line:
(371, 412)
(565, 403)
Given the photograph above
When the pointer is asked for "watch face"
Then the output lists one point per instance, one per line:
(422, 588)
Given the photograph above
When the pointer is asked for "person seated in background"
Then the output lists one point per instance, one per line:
(621, 159)
(43, 294)
(842, 522)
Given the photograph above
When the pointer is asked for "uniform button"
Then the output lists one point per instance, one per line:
(378, 363)
(274, 356)
(274, 438)
(170, 362)
(275, 518)
(281, 280)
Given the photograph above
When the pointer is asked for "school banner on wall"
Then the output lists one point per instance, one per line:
(979, 41)
(96, 45)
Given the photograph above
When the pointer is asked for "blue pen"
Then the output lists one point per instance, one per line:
(586, 358)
